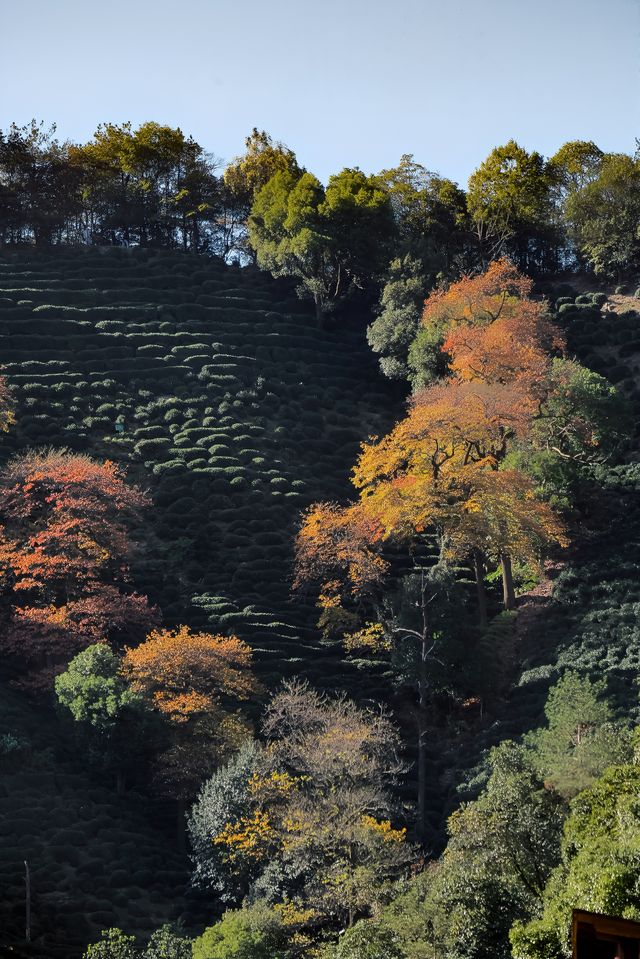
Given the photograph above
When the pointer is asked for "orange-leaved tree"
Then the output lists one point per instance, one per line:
(439, 468)
(442, 467)
(489, 327)
(196, 681)
(64, 553)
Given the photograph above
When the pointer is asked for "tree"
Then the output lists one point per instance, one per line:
(40, 192)
(254, 932)
(245, 175)
(357, 212)
(509, 200)
(438, 468)
(64, 552)
(368, 940)
(151, 186)
(92, 688)
(485, 327)
(603, 216)
(599, 867)
(502, 847)
(574, 165)
(110, 714)
(580, 740)
(288, 237)
(431, 217)
(308, 828)
(398, 321)
(114, 944)
(333, 240)
(582, 420)
(222, 799)
(165, 943)
(191, 679)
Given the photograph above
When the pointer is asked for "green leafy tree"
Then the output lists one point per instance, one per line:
(580, 740)
(583, 420)
(398, 321)
(254, 932)
(114, 723)
(263, 158)
(431, 217)
(114, 944)
(509, 201)
(286, 233)
(502, 848)
(599, 869)
(334, 240)
(574, 165)
(93, 689)
(357, 212)
(369, 940)
(152, 186)
(243, 179)
(603, 216)
(166, 943)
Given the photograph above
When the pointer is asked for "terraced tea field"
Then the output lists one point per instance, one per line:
(237, 412)
(95, 859)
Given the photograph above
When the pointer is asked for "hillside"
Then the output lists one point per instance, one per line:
(218, 391)
(238, 412)
(586, 615)
(95, 859)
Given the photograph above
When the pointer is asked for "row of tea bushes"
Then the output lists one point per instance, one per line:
(236, 411)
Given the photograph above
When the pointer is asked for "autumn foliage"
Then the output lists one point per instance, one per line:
(443, 466)
(64, 552)
(183, 674)
(195, 681)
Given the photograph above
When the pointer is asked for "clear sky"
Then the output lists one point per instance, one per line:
(342, 82)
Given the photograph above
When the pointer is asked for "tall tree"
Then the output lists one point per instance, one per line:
(151, 186)
(307, 826)
(111, 717)
(603, 216)
(398, 321)
(39, 189)
(64, 556)
(432, 220)
(509, 201)
(245, 176)
(333, 240)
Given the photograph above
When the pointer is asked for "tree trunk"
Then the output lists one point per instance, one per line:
(180, 825)
(319, 313)
(508, 592)
(27, 910)
(478, 562)
(423, 682)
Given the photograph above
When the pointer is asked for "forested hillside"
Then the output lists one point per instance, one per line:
(319, 537)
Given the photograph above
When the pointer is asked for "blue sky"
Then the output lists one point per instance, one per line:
(342, 82)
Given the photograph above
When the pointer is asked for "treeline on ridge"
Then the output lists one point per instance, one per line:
(155, 186)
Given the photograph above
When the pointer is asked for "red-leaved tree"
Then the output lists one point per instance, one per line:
(64, 559)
